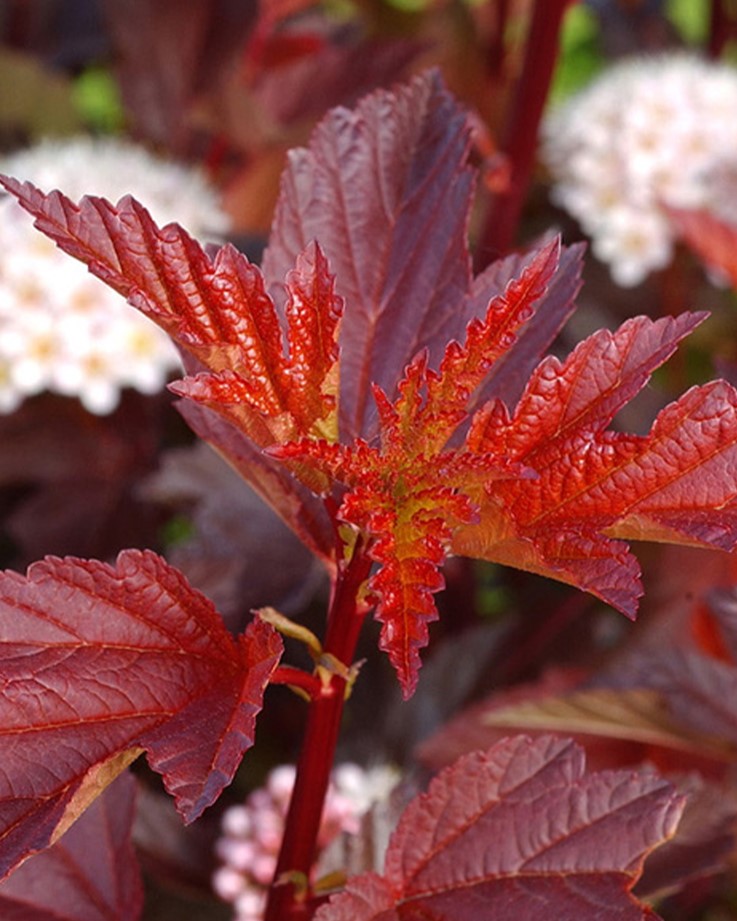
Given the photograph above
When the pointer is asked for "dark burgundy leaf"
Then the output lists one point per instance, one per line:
(90, 874)
(296, 505)
(386, 191)
(165, 53)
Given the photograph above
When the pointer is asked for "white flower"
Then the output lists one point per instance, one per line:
(649, 133)
(60, 328)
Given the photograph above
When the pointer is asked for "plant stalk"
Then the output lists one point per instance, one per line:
(519, 143)
(289, 895)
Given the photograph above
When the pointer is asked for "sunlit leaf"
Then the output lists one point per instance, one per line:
(101, 663)
(520, 831)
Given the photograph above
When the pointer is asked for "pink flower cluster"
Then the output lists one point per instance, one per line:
(252, 832)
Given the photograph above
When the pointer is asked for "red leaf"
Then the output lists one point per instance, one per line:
(275, 397)
(409, 494)
(518, 832)
(678, 484)
(219, 312)
(511, 371)
(91, 874)
(465, 367)
(100, 663)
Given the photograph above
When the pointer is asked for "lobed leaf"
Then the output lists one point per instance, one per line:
(678, 484)
(218, 311)
(583, 394)
(100, 663)
(511, 371)
(518, 831)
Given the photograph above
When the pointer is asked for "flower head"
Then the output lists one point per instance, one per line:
(60, 328)
(648, 134)
(252, 832)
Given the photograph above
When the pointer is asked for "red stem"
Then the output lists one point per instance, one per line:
(523, 120)
(297, 678)
(345, 618)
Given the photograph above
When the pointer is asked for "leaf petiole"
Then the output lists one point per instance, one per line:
(288, 627)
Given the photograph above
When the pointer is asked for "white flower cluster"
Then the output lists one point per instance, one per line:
(252, 832)
(648, 133)
(61, 329)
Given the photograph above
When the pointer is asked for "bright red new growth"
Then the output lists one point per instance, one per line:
(546, 488)
(100, 663)
(518, 831)
(285, 394)
(447, 457)
(394, 414)
(411, 493)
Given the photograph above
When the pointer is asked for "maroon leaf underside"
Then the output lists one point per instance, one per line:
(518, 831)
(700, 691)
(90, 874)
(100, 663)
